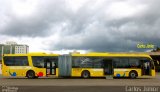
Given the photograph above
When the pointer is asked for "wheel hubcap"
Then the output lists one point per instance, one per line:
(30, 75)
(133, 75)
(85, 75)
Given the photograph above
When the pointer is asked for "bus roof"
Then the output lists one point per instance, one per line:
(87, 54)
(114, 54)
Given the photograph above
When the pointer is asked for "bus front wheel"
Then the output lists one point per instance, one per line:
(85, 74)
(133, 74)
(30, 74)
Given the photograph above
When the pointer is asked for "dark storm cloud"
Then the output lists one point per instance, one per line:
(93, 26)
(19, 28)
(121, 34)
(39, 23)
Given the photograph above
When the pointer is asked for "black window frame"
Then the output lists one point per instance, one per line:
(135, 64)
(119, 63)
(139, 59)
(91, 63)
(15, 60)
(44, 60)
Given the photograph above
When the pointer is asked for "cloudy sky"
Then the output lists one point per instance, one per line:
(87, 25)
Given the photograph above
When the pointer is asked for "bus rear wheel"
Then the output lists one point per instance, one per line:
(133, 74)
(30, 74)
(85, 74)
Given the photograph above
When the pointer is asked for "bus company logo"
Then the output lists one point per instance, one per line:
(9, 89)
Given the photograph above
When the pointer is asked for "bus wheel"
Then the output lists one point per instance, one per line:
(85, 74)
(133, 74)
(30, 74)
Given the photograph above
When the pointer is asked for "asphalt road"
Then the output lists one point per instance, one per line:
(149, 81)
(80, 85)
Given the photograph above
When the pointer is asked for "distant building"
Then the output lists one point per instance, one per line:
(13, 48)
(11, 43)
(20, 49)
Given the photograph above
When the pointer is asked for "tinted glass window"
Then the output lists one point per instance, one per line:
(87, 62)
(120, 62)
(128, 62)
(134, 62)
(16, 61)
(98, 63)
(76, 62)
(124, 62)
(81, 62)
(39, 61)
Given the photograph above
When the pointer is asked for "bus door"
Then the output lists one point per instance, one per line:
(50, 66)
(108, 67)
(146, 67)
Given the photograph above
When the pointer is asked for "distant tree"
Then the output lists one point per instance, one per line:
(156, 50)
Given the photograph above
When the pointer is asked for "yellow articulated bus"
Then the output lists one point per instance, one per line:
(78, 65)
